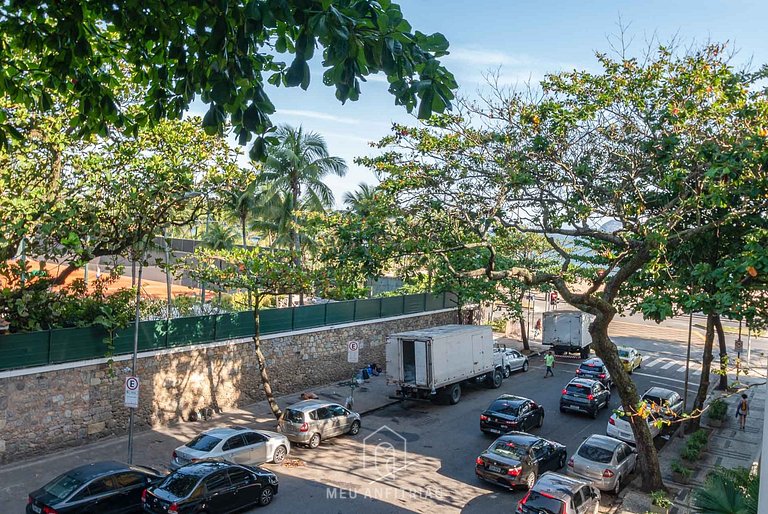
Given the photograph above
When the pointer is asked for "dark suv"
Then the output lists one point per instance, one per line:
(585, 395)
(560, 494)
(595, 369)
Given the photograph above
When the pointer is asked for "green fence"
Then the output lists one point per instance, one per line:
(77, 344)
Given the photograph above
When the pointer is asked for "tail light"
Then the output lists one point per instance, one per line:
(29, 500)
(522, 502)
(144, 496)
(564, 391)
(174, 456)
(601, 375)
(49, 510)
(483, 417)
(514, 472)
(612, 421)
(607, 473)
(479, 461)
(570, 462)
(590, 397)
(304, 427)
(578, 372)
(174, 507)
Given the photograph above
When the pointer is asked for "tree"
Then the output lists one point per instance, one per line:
(728, 491)
(614, 169)
(361, 200)
(260, 271)
(86, 50)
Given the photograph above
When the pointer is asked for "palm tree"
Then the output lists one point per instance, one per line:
(294, 171)
(728, 491)
(361, 200)
(218, 237)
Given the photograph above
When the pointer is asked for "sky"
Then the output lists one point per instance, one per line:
(523, 41)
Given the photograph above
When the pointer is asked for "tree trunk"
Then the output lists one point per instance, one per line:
(242, 230)
(71, 268)
(263, 363)
(646, 452)
(723, 384)
(524, 334)
(706, 366)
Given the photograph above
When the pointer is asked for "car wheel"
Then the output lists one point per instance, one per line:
(355, 428)
(454, 395)
(314, 441)
(266, 496)
(530, 480)
(617, 487)
(562, 461)
(507, 372)
(541, 421)
(525, 365)
(562, 409)
(278, 455)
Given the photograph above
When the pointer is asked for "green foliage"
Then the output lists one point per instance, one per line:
(728, 491)
(691, 452)
(718, 409)
(700, 438)
(661, 499)
(223, 53)
(679, 467)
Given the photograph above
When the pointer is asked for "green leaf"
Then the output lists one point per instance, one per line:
(295, 74)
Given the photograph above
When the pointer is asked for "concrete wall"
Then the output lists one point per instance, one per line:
(43, 409)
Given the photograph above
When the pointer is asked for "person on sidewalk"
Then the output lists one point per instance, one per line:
(741, 411)
(537, 330)
(549, 360)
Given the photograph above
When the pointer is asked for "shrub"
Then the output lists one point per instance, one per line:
(691, 452)
(701, 437)
(679, 467)
(718, 409)
(660, 499)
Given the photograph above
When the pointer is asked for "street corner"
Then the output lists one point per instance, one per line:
(385, 453)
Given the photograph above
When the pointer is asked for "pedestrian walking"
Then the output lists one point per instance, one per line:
(537, 329)
(549, 360)
(742, 410)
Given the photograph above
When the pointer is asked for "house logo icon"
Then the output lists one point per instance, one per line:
(384, 453)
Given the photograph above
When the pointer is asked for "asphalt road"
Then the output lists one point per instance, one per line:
(420, 457)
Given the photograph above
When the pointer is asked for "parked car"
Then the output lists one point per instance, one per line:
(312, 421)
(630, 358)
(595, 369)
(509, 412)
(619, 427)
(107, 486)
(236, 444)
(516, 361)
(517, 458)
(211, 486)
(585, 395)
(670, 403)
(604, 461)
(559, 494)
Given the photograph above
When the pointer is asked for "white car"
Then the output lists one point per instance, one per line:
(511, 360)
(619, 427)
(239, 445)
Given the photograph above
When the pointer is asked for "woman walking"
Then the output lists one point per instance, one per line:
(742, 410)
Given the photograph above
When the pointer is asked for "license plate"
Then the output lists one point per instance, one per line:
(494, 430)
(35, 508)
(495, 469)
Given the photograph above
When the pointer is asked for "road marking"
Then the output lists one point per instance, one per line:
(668, 365)
(681, 369)
(652, 364)
(661, 378)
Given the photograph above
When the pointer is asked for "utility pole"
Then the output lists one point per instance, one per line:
(134, 360)
(688, 361)
(762, 498)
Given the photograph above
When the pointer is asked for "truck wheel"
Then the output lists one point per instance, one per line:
(585, 352)
(454, 394)
(494, 379)
(507, 372)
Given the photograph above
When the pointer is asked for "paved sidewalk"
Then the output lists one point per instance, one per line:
(729, 447)
(153, 447)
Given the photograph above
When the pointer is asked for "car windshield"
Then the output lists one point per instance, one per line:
(509, 449)
(595, 453)
(203, 443)
(539, 503)
(505, 407)
(624, 354)
(179, 484)
(294, 416)
(62, 486)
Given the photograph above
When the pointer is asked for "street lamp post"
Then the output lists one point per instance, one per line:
(688, 361)
(134, 359)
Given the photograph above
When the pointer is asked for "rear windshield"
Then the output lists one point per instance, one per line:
(657, 400)
(61, 487)
(595, 453)
(591, 368)
(578, 390)
(538, 503)
(505, 407)
(294, 416)
(203, 443)
(179, 484)
(624, 353)
(509, 449)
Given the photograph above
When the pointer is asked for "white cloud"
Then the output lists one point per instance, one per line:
(317, 116)
(479, 57)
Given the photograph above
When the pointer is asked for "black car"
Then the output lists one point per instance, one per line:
(517, 459)
(211, 486)
(585, 395)
(108, 487)
(508, 412)
(595, 369)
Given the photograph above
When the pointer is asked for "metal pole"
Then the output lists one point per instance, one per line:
(134, 360)
(207, 220)
(167, 277)
(749, 346)
(738, 353)
(762, 496)
(688, 361)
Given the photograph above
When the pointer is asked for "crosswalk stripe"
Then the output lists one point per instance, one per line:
(652, 364)
(681, 369)
(668, 365)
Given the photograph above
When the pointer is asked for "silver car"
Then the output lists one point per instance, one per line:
(311, 421)
(604, 461)
(513, 360)
(238, 445)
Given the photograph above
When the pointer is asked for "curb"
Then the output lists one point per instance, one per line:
(380, 407)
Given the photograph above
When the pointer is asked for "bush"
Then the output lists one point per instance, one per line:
(691, 452)
(660, 499)
(700, 437)
(679, 467)
(718, 409)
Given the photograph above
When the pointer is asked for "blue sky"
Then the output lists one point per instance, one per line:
(524, 40)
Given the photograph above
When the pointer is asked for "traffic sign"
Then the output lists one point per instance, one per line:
(353, 351)
(132, 392)
(739, 345)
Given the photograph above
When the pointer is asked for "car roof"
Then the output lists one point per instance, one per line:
(559, 486)
(602, 441)
(594, 361)
(520, 438)
(306, 405)
(661, 392)
(512, 398)
(88, 472)
(583, 381)
(204, 467)
(225, 432)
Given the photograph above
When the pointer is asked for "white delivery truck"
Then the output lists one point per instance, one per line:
(433, 363)
(567, 332)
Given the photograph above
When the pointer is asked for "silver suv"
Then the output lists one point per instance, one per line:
(311, 421)
(560, 494)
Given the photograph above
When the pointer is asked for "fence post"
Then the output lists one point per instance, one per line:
(293, 319)
(381, 308)
(402, 304)
(167, 332)
(325, 314)
(49, 345)
(354, 310)
(424, 302)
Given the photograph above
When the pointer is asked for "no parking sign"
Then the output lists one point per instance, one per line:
(132, 392)
(353, 349)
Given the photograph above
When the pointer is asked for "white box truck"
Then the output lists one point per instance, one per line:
(433, 363)
(567, 332)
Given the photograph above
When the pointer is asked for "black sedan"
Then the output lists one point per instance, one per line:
(108, 487)
(517, 459)
(508, 412)
(211, 486)
(585, 395)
